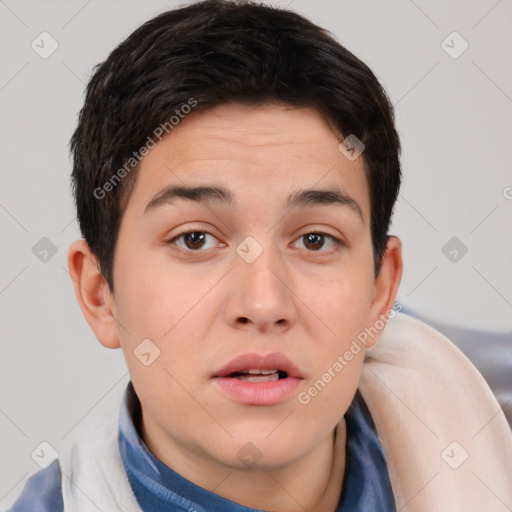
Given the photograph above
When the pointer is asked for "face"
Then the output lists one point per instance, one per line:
(266, 267)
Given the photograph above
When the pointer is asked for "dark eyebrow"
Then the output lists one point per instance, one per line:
(168, 194)
(313, 197)
(307, 197)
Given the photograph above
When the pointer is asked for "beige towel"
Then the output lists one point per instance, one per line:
(446, 439)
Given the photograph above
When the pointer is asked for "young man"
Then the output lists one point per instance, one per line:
(235, 171)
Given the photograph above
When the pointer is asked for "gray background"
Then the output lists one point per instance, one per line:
(454, 117)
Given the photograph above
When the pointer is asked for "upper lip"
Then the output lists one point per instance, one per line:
(255, 361)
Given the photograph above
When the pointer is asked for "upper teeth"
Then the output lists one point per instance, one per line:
(260, 372)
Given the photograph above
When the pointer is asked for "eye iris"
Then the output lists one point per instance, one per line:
(194, 240)
(315, 240)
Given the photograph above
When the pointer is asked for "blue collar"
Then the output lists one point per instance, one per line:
(366, 486)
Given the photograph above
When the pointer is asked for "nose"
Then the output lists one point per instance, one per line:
(260, 295)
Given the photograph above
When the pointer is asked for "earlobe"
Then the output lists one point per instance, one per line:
(386, 284)
(93, 294)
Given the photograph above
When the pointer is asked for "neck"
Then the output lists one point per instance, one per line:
(312, 483)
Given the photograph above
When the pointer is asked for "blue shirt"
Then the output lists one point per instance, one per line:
(366, 486)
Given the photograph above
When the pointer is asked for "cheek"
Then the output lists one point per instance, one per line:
(340, 304)
(171, 308)
(153, 296)
(163, 323)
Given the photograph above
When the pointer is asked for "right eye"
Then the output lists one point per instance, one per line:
(192, 241)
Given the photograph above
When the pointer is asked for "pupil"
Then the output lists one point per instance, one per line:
(195, 239)
(314, 239)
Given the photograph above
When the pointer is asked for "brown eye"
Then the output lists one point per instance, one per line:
(193, 241)
(314, 241)
(319, 242)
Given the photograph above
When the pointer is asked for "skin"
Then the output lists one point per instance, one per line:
(306, 300)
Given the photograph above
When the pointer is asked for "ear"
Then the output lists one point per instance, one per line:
(385, 287)
(93, 294)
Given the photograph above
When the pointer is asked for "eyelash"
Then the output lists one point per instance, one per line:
(337, 242)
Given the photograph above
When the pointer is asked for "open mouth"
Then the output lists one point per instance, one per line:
(258, 386)
(255, 375)
(259, 379)
(254, 367)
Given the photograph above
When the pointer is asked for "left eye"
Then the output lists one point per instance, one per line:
(316, 241)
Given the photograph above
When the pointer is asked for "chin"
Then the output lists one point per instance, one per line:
(260, 454)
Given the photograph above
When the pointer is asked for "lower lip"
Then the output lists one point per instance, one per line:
(257, 393)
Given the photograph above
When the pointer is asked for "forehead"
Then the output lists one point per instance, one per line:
(270, 150)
